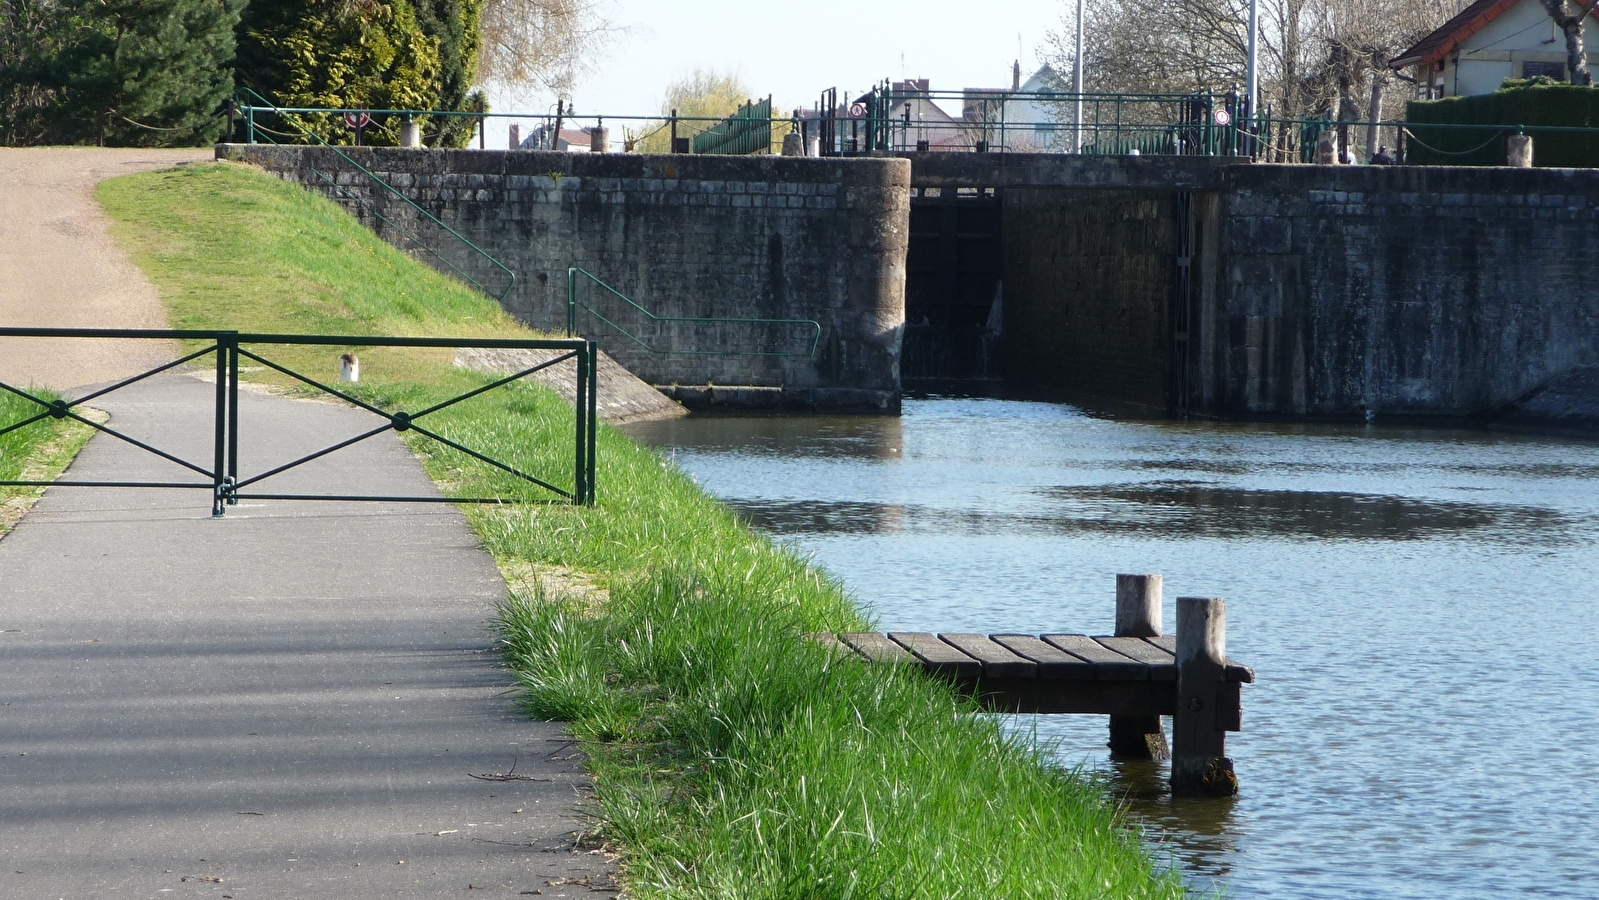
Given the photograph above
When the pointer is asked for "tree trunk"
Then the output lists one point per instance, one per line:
(1571, 26)
(1347, 110)
(1576, 57)
(1374, 133)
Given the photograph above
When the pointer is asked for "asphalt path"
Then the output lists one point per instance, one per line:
(299, 699)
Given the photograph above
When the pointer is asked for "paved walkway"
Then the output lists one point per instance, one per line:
(288, 702)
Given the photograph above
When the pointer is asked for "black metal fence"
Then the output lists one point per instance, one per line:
(222, 476)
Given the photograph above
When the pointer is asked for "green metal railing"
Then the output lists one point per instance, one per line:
(291, 116)
(747, 131)
(222, 477)
(812, 329)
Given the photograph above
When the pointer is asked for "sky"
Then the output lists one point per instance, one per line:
(794, 51)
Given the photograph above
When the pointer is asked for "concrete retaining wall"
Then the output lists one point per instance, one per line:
(683, 236)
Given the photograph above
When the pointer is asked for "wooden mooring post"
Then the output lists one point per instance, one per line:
(1138, 615)
(1208, 705)
(1134, 677)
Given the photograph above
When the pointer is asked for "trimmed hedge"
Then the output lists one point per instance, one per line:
(1539, 105)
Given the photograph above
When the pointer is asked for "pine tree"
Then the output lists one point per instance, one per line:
(143, 72)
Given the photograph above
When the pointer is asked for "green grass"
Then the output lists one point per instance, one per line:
(732, 758)
(37, 452)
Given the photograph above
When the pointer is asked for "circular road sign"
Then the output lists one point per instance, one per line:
(1223, 117)
(856, 110)
(358, 120)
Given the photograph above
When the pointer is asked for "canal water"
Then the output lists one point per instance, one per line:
(1422, 607)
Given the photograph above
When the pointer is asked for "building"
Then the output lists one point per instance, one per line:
(571, 140)
(1488, 42)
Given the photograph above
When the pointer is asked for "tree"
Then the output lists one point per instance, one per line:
(539, 45)
(1316, 56)
(30, 32)
(702, 94)
(128, 72)
(1569, 22)
(377, 54)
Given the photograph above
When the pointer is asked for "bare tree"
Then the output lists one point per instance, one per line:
(1316, 56)
(539, 46)
(1570, 24)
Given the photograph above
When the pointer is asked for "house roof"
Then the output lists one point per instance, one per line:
(1454, 32)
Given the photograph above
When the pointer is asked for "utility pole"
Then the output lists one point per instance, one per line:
(1252, 88)
(1077, 81)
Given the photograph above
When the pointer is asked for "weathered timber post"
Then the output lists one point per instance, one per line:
(1518, 152)
(1138, 614)
(1200, 767)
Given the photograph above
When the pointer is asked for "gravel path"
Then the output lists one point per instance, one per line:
(59, 267)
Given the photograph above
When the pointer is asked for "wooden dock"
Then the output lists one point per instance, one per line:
(1134, 676)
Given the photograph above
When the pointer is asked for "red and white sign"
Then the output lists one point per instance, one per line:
(358, 120)
(1223, 117)
(856, 110)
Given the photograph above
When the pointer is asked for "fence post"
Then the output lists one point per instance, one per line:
(1138, 614)
(233, 419)
(580, 405)
(1200, 766)
(594, 419)
(571, 302)
(220, 438)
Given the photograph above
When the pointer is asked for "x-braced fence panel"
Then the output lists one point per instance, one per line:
(227, 348)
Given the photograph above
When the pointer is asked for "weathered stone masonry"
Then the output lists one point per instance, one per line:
(1315, 291)
(698, 237)
(1429, 291)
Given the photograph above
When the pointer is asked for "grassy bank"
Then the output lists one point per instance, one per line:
(732, 758)
(38, 452)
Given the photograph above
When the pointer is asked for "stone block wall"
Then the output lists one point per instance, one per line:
(684, 237)
(1347, 291)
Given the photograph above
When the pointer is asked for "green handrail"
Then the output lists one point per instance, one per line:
(391, 189)
(572, 305)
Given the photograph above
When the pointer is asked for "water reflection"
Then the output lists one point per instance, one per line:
(1197, 509)
(1415, 601)
(1172, 508)
(837, 437)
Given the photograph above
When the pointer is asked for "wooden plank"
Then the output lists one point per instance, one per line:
(1162, 665)
(998, 661)
(1108, 664)
(1037, 695)
(831, 642)
(1236, 671)
(937, 657)
(1054, 664)
(877, 648)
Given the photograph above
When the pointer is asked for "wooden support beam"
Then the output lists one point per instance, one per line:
(1206, 702)
(1138, 615)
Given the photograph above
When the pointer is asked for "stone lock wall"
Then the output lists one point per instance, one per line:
(696, 237)
(1314, 292)
(1348, 291)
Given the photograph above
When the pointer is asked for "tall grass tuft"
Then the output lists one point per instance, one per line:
(732, 757)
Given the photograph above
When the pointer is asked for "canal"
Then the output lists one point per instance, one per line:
(1420, 606)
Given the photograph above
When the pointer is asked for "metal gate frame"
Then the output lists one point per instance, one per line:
(222, 478)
